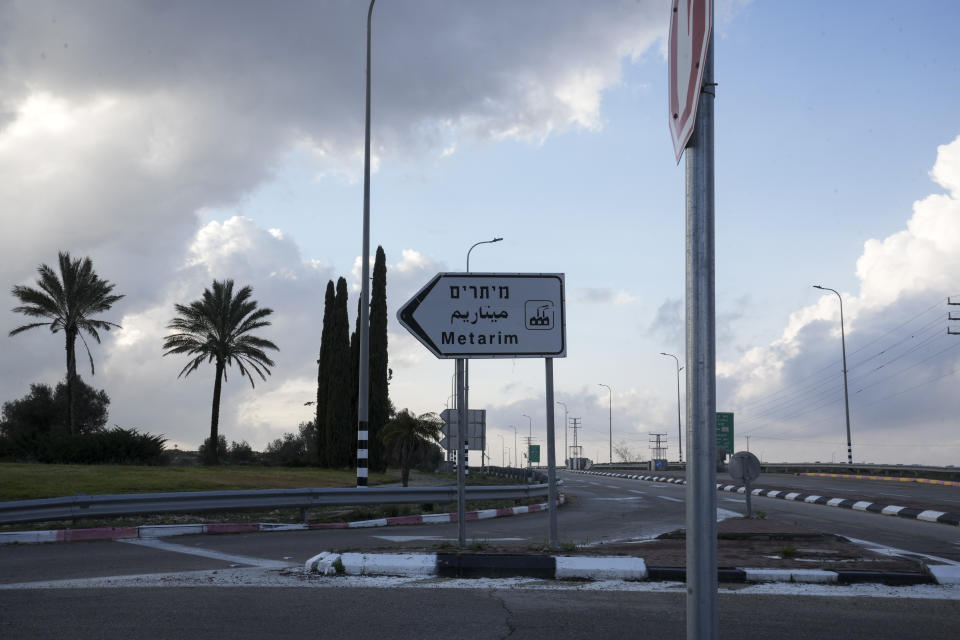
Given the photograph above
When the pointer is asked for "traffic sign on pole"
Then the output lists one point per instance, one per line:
(489, 315)
(725, 432)
(690, 24)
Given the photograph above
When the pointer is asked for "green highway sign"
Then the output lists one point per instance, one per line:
(534, 453)
(725, 432)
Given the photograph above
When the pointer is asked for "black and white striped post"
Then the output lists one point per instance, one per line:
(363, 397)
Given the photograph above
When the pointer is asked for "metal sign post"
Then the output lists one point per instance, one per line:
(551, 458)
(461, 472)
(491, 315)
(690, 51)
(745, 468)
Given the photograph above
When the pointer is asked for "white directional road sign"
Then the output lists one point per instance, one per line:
(489, 315)
(690, 22)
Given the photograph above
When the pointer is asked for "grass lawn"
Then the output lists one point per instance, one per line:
(27, 481)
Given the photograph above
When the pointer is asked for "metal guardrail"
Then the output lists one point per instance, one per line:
(83, 506)
(899, 470)
(526, 474)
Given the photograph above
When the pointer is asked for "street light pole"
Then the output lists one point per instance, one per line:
(363, 396)
(515, 462)
(503, 449)
(843, 346)
(610, 409)
(679, 429)
(566, 452)
(466, 365)
(529, 440)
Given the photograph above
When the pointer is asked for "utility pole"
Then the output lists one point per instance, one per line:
(566, 424)
(576, 425)
(529, 441)
(659, 446)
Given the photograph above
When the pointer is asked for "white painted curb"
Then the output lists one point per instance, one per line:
(945, 573)
(411, 565)
(602, 568)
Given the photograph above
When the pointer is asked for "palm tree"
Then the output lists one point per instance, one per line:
(214, 329)
(68, 303)
(406, 434)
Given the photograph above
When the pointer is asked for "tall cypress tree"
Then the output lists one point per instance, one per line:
(379, 392)
(324, 373)
(337, 426)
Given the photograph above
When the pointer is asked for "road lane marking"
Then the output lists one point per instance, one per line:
(643, 493)
(154, 543)
(671, 499)
(441, 538)
(620, 499)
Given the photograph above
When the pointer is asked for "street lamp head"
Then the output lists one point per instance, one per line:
(816, 286)
(496, 240)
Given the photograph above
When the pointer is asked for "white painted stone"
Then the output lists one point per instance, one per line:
(944, 573)
(929, 515)
(436, 518)
(27, 537)
(362, 524)
(390, 564)
(601, 568)
(165, 530)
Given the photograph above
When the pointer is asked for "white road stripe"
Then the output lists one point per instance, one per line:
(670, 498)
(155, 543)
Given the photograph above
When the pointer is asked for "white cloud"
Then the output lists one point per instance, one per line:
(898, 275)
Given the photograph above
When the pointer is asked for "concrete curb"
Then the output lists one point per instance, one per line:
(169, 530)
(927, 515)
(470, 565)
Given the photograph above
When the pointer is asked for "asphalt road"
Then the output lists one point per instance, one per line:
(517, 612)
(927, 496)
(251, 585)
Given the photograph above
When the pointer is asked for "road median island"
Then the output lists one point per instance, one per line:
(749, 551)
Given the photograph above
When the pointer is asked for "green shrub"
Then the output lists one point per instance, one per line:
(112, 446)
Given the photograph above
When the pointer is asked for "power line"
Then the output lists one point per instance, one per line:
(779, 402)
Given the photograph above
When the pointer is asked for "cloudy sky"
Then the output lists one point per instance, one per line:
(179, 142)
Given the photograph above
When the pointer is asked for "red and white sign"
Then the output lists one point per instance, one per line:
(690, 23)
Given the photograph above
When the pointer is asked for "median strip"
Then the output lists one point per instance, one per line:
(549, 567)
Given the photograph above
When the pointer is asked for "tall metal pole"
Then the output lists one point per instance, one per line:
(529, 440)
(679, 428)
(701, 504)
(566, 451)
(465, 379)
(461, 476)
(363, 396)
(516, 463)
(551, 457)
(610, 409)
(843, 346)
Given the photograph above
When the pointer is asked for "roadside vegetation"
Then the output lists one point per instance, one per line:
(20, 481)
